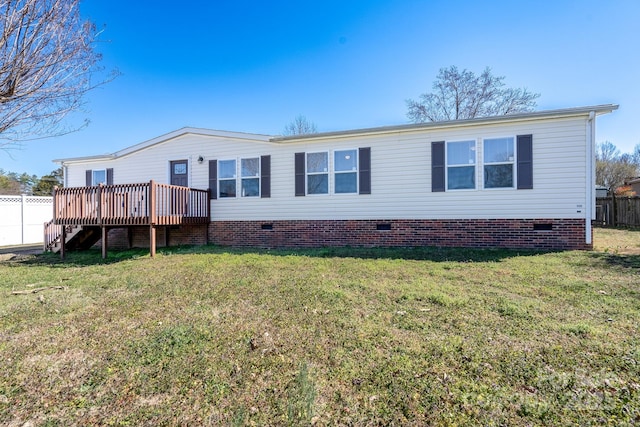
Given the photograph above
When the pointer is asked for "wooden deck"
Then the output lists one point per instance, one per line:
(124, 205)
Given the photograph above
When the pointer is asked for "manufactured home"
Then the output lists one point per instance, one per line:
(517, 181)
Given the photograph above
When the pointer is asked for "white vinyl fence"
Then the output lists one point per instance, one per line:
(22, 219)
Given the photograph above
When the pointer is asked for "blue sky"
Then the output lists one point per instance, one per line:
(253, 66)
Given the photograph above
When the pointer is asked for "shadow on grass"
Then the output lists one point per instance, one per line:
(80, 258)
(616, 260)
(434, 254)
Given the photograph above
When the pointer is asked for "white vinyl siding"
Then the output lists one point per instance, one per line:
(400, 174)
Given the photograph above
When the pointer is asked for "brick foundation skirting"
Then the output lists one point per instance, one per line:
(138, 237)
(546, 234)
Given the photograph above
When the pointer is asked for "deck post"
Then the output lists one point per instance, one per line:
(152, 240)
(63, 239)
(53, 194)
(152, 218)
(208, 209)
(104, 242)
(99, 202)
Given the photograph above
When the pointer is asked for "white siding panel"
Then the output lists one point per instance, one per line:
(400, 175)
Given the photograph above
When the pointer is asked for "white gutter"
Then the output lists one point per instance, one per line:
(591, 177)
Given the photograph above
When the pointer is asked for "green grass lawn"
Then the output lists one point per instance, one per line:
(214, 336)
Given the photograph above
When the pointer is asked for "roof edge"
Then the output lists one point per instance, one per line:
(167, 137)
(558, 113)
(85, 158)
(565, 112)
(193, 131)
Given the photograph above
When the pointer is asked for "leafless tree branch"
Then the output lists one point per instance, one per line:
(300, 126)
(463, 95)
(47, 65)
(613, 167)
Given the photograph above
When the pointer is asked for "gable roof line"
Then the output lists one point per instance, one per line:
(192, 131)
(565, 112)
(187, 130)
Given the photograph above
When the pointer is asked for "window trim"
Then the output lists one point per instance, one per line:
(242, 177)
(235, 178)
(447, 165)
(93, 177)
(513, 163)
(238, 177)
(334, 172)
(327, 172)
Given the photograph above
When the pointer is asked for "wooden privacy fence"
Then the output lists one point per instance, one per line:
(626, 212)
(130, 204)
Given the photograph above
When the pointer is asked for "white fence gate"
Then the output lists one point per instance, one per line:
(22, 219)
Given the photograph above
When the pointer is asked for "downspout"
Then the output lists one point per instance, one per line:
(591, 177)
(65, 179)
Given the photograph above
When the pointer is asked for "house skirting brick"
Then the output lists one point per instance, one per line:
(546, 234)
(138, 236)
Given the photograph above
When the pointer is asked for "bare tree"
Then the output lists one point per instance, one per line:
(612, 167)
(300, 126)
(47, 61)
(636, 158)
(463, 95)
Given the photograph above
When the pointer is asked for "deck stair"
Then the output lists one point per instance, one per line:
(77, 238)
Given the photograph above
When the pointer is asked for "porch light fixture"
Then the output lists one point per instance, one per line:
(200, 159)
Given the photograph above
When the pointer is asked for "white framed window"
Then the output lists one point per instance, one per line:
(317, 167)
(239, 177)
(250, 177)
(345, 166)
(226, 178)
(461, 165)
(499, 162)
(99, 176)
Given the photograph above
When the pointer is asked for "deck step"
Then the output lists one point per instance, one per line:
(78, 237)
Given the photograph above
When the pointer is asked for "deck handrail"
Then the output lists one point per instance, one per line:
(52, 233)
(130, 204)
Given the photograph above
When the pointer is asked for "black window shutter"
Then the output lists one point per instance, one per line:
(213, 179)
(88, 177)
(365, 170)
(110, 176)
(299, 174)
(265, 176)
(437, 166)
(525, 162)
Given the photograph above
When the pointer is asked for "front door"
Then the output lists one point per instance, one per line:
(179, 174)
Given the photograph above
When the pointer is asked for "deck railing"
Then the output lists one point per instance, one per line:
(130, 204)
(52, 234)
